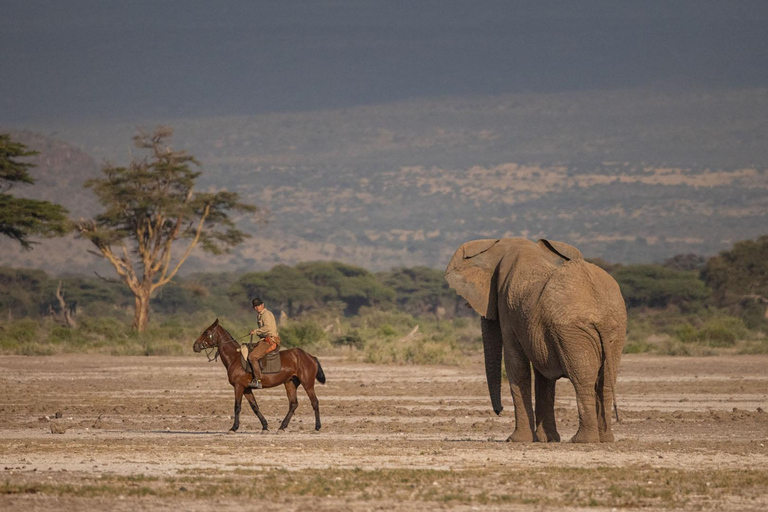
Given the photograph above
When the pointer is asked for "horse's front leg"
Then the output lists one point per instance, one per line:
(293, 403)
(255, 406)
(238, 402)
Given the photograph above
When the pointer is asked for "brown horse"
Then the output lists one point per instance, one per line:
(298, 367)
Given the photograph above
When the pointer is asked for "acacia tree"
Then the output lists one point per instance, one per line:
(741, 274)
(151, 209)
(22, 218)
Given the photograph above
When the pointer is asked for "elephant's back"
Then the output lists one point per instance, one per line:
(579, 291)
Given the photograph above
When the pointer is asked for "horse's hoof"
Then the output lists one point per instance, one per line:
(316, 431)
(280, 431)
(230, 431)
(265, 431)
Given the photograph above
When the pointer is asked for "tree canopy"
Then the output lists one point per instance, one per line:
(740, 275)
(312, 285)
(150, 205)
(20, 218)
(655, 286)
(421, 290)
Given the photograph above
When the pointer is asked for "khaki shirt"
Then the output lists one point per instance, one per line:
(267, 324)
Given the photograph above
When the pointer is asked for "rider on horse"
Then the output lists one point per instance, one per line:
(268, 342)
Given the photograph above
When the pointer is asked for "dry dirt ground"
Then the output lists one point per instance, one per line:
(149, 433)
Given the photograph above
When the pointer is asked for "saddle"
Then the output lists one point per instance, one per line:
(270, 363)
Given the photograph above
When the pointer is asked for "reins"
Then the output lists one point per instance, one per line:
(210, 348)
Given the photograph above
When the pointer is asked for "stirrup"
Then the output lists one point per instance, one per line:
(255, 383)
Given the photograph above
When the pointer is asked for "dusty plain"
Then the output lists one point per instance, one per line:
(150, 433)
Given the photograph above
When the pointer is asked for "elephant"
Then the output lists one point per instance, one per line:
(544, 307)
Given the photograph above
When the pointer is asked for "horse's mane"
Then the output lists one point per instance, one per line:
(231, 338)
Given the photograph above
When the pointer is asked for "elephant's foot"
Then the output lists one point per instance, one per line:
(583, 436)
(544, 436)
(521, 436)
(606, 437)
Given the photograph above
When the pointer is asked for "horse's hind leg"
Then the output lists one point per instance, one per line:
(238, 404)
(310, 389)
(255, 406)
(293, 402)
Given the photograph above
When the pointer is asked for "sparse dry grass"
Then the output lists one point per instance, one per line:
(640, 487)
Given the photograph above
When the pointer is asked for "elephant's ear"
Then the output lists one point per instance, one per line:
(561, 249)
(472, 273)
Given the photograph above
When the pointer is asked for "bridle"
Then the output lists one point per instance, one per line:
(209, 348)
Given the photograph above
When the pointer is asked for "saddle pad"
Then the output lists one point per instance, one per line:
(246, 364)
(270, 363)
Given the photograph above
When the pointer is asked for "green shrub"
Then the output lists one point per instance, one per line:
(301, 334)
(104, 327)
(387, 330)
(687, 333)
(717, 332)
(460, 323)
(723, 332)
(638, 347)
(352, 339)
(24, 331)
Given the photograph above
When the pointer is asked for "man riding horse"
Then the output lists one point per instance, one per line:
(268, 342)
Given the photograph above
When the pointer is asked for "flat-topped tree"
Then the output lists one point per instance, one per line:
(152, 210)
(22, 218)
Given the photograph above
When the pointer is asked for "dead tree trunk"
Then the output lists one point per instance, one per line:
(66, 314)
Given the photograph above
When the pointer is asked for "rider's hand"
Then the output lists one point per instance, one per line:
(252, 332)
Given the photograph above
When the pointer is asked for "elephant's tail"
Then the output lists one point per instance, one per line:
(611, 346)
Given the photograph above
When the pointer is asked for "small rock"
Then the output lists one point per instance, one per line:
(760, 409)
(58, 414)
(58, 428)
(183, 489)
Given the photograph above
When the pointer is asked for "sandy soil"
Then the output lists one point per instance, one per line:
(151, 434)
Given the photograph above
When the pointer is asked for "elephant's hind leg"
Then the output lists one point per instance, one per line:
(586, 401)
(604, 405)
(546, 428)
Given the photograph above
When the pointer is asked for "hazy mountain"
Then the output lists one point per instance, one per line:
(629, 176)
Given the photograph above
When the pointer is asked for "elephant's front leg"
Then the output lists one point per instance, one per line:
(546, 427)
(519, 373)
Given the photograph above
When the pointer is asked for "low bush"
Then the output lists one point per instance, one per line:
(717, 332)
(301, 333)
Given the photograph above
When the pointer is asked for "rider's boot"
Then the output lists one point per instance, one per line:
(256, 382)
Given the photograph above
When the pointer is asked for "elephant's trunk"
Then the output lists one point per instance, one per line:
(492, 348)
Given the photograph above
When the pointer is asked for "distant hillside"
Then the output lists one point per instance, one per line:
(627, 176)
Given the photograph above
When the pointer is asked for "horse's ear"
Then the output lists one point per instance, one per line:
(215, 323)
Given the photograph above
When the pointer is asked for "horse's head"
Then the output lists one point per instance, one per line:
(208, 339)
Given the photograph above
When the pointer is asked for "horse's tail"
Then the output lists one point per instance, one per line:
(320, 375)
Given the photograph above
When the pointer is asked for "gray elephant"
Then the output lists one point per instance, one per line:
(550, 310)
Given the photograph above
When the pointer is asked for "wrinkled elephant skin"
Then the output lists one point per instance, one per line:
(545, 308)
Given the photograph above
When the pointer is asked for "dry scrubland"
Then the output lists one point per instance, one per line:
(149, 433)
